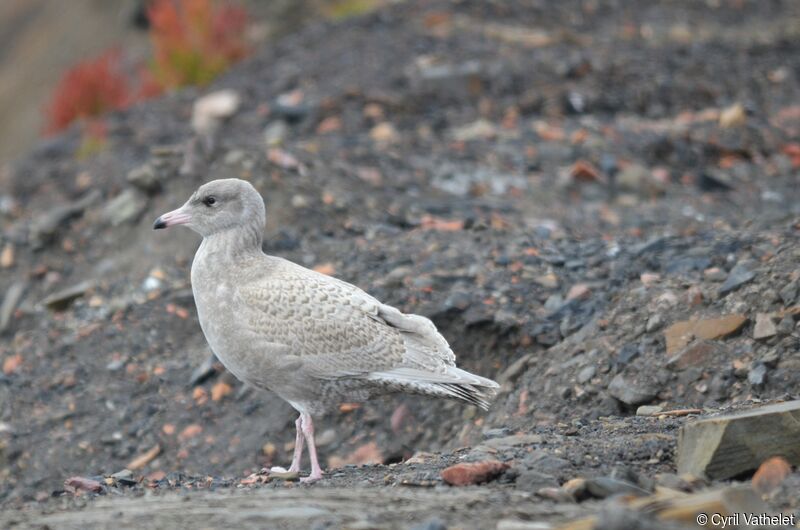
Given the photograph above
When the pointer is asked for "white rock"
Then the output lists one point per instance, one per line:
(210, 110)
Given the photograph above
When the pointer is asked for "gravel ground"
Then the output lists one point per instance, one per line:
(556, 185)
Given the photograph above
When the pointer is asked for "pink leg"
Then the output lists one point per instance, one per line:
(298, 446)
(308, 431)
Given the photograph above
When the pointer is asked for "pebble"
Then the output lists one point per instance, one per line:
(586, 374)
(275, 133)
(145, 178)
(757, 375)
(10, 300)
(125, 207)
(60, 300)
(786, 325)
(603, 487)
(210, 110)
(473, 473)
(512, 441)
(629, 392)
(7, 256)
(789, 292)
(739, 275)
(765, 326)
(698, 353)
(649, 410)
(579, 291)
(654, 323)
(714, 274)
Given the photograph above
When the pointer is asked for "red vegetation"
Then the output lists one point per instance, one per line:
(88, 89)
(194, 40)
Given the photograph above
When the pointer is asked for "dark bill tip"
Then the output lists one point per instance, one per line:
(159, 224)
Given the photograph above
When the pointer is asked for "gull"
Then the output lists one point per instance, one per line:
(312, 339)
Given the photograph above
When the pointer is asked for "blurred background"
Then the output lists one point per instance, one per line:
(40, 40)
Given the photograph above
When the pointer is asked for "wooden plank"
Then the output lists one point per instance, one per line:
(726, 446)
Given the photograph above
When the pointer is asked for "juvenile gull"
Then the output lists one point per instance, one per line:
(312, 339)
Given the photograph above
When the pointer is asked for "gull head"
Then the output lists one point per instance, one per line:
(218, 206)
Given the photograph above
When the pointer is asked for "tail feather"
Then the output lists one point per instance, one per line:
(454, 383)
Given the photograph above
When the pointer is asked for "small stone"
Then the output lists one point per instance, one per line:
(586, 374)
(60, 300)
(124, 477)
(738, 276)
(715, 274)
(789, 292)
(549, 280)
(513, 441)
(83, 484)
(12, 297)
(579, 291)
(786, 325)
(757, 375)
(532, 480)
(498, 432)
(7, 256)
(765, 326)
(630, 392)
(477, 130)
(125, 207)
(694, 296)
(649, 278)
(384, 133)
(145, 178)
(733, 116)
(575, 487)
(604, 487)
(275, 133)
(473, 473)
(649, 410)
(234, 157)
(210, 110)
(771, 474)
(654, 323)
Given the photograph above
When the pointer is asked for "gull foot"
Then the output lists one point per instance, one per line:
(310, 479)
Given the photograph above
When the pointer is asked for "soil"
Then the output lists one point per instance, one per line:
(554, 184)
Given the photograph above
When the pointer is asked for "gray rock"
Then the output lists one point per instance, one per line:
(757, 375)
(631, 392)
(507, 442)
(654, 323)
(789, 292)
(498, 432)
(146, 178)
(786, 325)
(586, 374)
(739, 275)
(533, 480)
(275, 133)
(125, 207)
(603, 487)
(60, 300)
(10, 300)
(649, 410)
(44, 227)
(765, 326)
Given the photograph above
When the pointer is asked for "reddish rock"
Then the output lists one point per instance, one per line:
(680, 334)
(698, 353)
(579, 291)
(473, 473)
(771, 474)
(83, 484)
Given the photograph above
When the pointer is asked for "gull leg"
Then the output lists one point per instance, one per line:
(307, 426)
(298, 445)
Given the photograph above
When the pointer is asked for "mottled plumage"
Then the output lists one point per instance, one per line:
(312, 339)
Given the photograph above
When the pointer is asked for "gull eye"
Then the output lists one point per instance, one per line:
(210, 200)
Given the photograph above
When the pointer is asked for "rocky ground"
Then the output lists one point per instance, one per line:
(596, 202)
